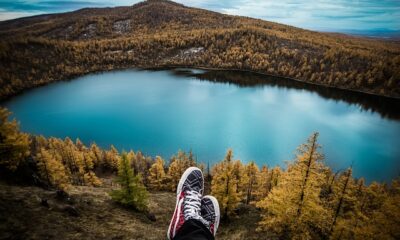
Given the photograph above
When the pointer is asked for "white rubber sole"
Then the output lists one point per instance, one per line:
(217, 212)
(178, 193)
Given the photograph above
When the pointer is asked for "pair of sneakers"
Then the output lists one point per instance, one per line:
(191, 204)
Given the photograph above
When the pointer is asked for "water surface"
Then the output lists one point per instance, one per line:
(262, 119)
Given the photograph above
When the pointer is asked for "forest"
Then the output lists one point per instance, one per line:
(304, 200)
(157, 33)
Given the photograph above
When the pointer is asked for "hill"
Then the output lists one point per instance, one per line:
(46, 48)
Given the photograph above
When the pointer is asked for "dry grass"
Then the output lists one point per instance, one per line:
(23, 216)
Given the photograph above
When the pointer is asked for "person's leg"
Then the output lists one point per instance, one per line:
(210, 212)
(188, 201)
(196, 230)
(193, 229)
(195, 217)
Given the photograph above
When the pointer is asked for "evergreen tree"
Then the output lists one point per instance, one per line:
(293, 208)
(224, 186)
(132, 192)
(157, 175)
(14, 145)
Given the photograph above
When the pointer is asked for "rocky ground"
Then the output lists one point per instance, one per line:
(28, 212)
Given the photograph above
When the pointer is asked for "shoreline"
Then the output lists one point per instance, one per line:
(171, 66)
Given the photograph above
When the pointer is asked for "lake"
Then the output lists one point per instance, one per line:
(261, 118)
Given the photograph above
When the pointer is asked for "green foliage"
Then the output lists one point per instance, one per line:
(132, 192)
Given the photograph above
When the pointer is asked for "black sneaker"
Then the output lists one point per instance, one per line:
(210, 212)
(188, 200)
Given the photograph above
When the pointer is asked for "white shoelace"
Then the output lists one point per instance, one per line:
(191, 208)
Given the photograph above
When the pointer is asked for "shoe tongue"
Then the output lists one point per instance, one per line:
(194, 188)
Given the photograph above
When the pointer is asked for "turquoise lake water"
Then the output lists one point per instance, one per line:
(260, 118)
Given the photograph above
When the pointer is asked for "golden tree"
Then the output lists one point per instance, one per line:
(252, 173)
(343, 206)
(293, 208)
(262, 187)
(14, 145)
(111, 159)
(224, 186)
(89, 176)
(52, 170)
(241, 179)
(157, 175)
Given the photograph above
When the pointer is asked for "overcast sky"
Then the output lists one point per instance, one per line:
(363, 16)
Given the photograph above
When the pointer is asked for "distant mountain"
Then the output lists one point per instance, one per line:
(46, 48)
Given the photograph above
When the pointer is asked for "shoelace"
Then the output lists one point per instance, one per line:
(191, 207)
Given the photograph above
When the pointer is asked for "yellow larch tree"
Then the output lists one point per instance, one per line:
(252, 173)
(89, 176)
(157, 176)
(52, 170)
(224, 186)
(293, 208)
(14, 145)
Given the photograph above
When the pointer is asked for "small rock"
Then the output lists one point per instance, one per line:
(72, 211)
(44, 203)
(151, 216)
(62, 195)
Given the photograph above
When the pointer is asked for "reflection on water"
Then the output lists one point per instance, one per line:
(261, 118)
(386, 107)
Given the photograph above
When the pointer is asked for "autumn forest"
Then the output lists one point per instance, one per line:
(38, 50)
(306, 200)
(82, 182)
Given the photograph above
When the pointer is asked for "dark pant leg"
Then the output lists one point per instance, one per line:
(193, 230)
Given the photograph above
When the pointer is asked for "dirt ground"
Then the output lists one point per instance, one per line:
(28, 212)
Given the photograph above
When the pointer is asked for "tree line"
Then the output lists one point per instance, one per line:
(306, 200)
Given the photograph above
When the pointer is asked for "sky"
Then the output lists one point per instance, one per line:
(365, 17)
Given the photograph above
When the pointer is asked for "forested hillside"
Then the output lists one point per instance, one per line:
(42, 49)
(305, 200)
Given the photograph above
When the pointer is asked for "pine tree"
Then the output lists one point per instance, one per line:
(132, 192)
(14, 145)
(293, 208)
(224, 186)
(157, 175)
(52, 170)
